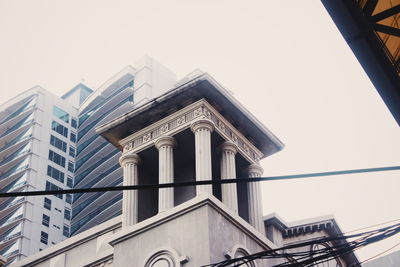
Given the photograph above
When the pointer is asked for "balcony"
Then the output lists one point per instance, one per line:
(12, 217)
(10, 160)
(11, 202)
(14, 185)
(15, 126)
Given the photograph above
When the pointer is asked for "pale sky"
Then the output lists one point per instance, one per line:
(284, 60)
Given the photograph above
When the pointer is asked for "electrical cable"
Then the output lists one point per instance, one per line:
(379, 254)
(196, 183)
(322, 255)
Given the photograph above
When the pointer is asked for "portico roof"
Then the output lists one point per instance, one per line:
(200, 87)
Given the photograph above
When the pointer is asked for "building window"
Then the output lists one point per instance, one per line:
(47, 203)
(46, 220)
(51, 187)
(55, 126)
(44, 237)
(238, 251)
(56, 158)
(71, 166)
(58, 143)
(68, 198)
(70, 182)
(61, 114)
(74, 123)
(165, 258)
(67, 214)
(73, 137)
(66, 231)
(56, 174)
(72, 151)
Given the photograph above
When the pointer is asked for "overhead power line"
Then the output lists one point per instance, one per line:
(310, 258)
(196, 183)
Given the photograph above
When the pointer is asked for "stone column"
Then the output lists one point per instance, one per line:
(255, 201)
(129, 163)
(228, 171)
(202, 130)
(165, 146)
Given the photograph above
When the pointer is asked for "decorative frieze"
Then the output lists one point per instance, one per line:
(182, 120)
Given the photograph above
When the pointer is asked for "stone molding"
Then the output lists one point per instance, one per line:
(165, 140)
(202, 124)
(185, 118)
(229, 146)
(255, 169)
(166, 253)
(129, 158)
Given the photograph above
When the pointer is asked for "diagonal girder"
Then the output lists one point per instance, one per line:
(370, 7)
(387, 29)
(387, 13)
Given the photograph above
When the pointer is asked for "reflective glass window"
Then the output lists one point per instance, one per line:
(73, 137)
(56, 174)
(46, 220)
(72, 151)
(55, 126)
(74, 123)
(66, 231)
(61, 114)
(57, 158)
(47, 203)
(58, 143)
(70, 166)
(44, 237)
(51, 187)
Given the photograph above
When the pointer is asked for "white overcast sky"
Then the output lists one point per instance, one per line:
(284, 60)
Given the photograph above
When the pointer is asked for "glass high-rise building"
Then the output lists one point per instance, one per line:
(37, 132)
(49, 142)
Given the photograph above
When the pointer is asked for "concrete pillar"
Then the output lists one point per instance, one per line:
(202, 130)
(129, 163)
(228, 171)
(165, 146)
(255, 201)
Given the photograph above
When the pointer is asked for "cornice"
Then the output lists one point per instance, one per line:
(182, 120)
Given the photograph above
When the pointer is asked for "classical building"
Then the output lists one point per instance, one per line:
(196, 131)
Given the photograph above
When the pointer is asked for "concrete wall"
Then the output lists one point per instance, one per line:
(202, 231)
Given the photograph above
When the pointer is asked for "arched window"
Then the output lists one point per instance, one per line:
(239, 251)
(165, 257)
(162, 262)
(330, 263)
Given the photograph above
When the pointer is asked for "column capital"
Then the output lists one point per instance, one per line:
(229, 146)
(255, 169)
(202, 124)
(165, 140)
(129, 158)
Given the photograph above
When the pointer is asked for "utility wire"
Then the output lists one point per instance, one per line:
(196, 183)
(375, 225)
(379, 254)
(307, 258)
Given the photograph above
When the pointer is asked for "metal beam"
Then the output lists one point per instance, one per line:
(370, 7)
(387, 13)
(387, 29)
